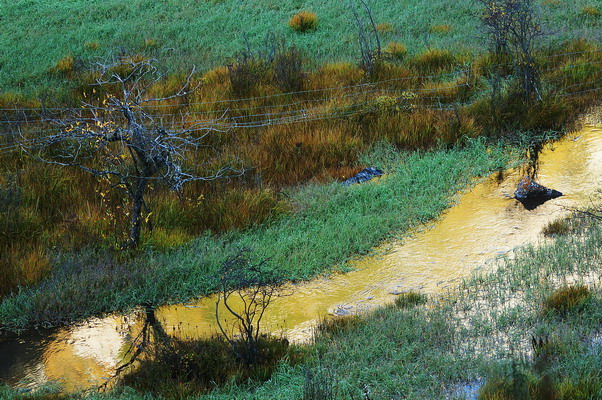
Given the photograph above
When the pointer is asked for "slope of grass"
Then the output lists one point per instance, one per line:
(207, 32)
(331, 223)
(494, 336)
(479, 334)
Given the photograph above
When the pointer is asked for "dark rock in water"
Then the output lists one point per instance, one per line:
(531, 194)
(363, 176)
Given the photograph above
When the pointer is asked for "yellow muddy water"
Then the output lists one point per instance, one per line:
(485, 224)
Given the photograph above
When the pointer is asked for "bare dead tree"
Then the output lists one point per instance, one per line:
(513, 28)
(120, 137)
(368, 37)
(252, 286)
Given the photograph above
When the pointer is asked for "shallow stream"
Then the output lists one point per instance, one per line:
(484, 225)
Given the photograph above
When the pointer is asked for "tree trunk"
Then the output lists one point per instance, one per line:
(136, 218)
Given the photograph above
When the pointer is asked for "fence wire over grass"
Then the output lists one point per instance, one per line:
(355, 91)
(286, 139)
(238, 100)
(414, 98)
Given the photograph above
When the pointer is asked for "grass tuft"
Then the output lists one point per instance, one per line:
(567, 299)
(92, 45)
(410, 299)
(441, 29)
(395, 50)
(384, 27)
(304, 21)
(591, 11)
(434, 61)
(557, 227)
(65, 65)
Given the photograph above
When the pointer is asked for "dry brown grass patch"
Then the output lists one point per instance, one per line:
(440, 29)
(384, 27)
(304, 21)
(591, 11)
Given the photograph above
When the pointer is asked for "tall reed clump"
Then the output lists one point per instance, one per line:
(287, 68)
(246, 73)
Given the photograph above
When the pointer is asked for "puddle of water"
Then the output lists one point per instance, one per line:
(484, 225)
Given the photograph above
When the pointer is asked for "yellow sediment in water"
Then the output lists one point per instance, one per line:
(484, 225)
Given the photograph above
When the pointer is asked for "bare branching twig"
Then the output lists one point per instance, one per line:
(252, 286)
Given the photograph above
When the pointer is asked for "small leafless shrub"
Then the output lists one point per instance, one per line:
(368, 36)
(246, 290)
(513, 28)
(287, 67)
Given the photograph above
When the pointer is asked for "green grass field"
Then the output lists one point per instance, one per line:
(37, 34)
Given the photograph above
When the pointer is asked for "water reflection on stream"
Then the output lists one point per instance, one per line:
(484, 224)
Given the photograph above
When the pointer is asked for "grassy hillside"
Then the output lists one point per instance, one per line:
(37, 34)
